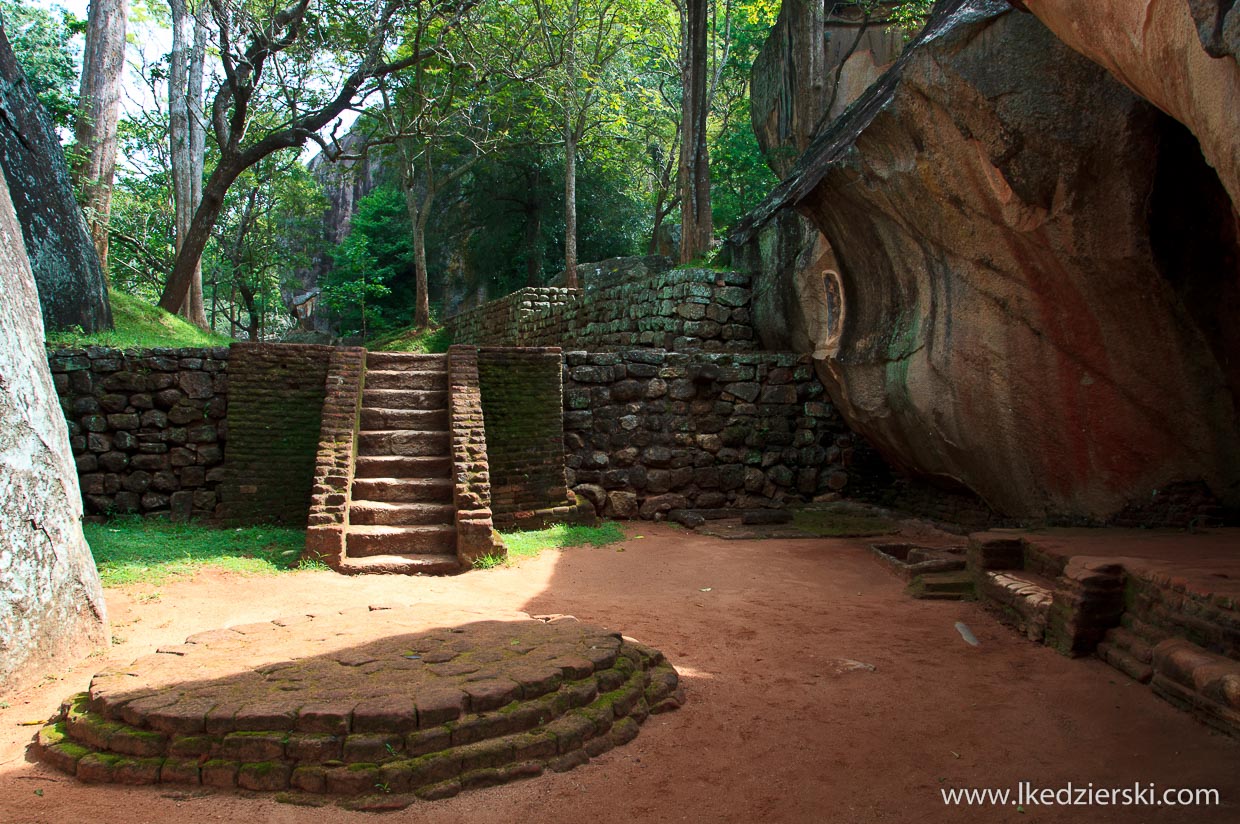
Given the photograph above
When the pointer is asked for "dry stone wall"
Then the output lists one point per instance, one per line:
(649, 431)
(678, 309)
(147, 427)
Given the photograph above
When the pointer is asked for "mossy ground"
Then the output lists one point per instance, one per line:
(837, 524)
(140, 325)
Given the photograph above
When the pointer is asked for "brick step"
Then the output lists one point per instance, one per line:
(404, 399)
(383, 513)
(406, 442)
(427, 419)
(1121, 660)
(1130, 643)
(409, 564)
(1024, 598)
(427, 539)
(951, 585)
(403, 490)
(1151, 635)
(390, 361)
(402, 466)
(406, 379)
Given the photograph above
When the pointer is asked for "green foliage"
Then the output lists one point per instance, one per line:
(271, 227)
(370, 285)
(44, 41)
(132, 550)
(740, 176)
(560, 536)
(911, 15)
(139, 325)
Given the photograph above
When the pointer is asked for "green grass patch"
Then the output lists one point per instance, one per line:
(140, 325)
(560, 536)
(837, 524)
(430, 341)
(131, 550)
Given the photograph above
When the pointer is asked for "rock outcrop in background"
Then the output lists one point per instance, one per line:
(51, 603)
(1036, 267)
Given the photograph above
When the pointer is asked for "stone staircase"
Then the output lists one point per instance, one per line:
(401, 513)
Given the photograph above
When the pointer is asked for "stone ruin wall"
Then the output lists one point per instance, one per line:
(224, 432)
(147, 427)
(648, 431)
(677, 309)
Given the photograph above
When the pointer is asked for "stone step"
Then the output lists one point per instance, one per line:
(411, 564)
(427, 419)
(383, 513)
(402, 466)
(428, 539)
(406, 442)
(403, 490)
(952, 585)
(406, 379)
(405, 361)
(1130, 643)
(1153, 636)
(1124, 662)
(404, 399)
(1024, 599)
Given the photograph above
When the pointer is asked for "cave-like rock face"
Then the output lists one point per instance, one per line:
(1036, 271)
(51, 604)
(1178, 54)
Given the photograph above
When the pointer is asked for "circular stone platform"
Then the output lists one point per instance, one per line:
(380, 705)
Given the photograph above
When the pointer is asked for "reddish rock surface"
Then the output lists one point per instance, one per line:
(1037, 270)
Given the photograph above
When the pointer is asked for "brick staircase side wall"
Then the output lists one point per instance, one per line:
(333, 468)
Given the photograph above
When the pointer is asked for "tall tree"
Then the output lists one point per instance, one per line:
(280, 57)
(187, 133)
(584, 38)
(72, 289)
(694, 167)
(103, 64)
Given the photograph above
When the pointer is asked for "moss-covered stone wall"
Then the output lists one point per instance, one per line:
(523, 407)
(275, 412)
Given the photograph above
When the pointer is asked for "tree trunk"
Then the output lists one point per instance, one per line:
(570, 205)
(188, 263)
(186, 138)
(103, 63)
(72, 289)
(533, 245)
(419, 212)
(694, 170)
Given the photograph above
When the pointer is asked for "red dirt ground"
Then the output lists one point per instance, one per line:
(776, 728)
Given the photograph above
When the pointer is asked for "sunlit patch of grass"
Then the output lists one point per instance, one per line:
(139, 325)
(560, 536)
(132, 550)
(429, 341)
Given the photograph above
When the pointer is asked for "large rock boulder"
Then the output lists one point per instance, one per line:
(819, 58)
(1036, 270)
(51, 604)
(72, 288)
(1178, 54)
